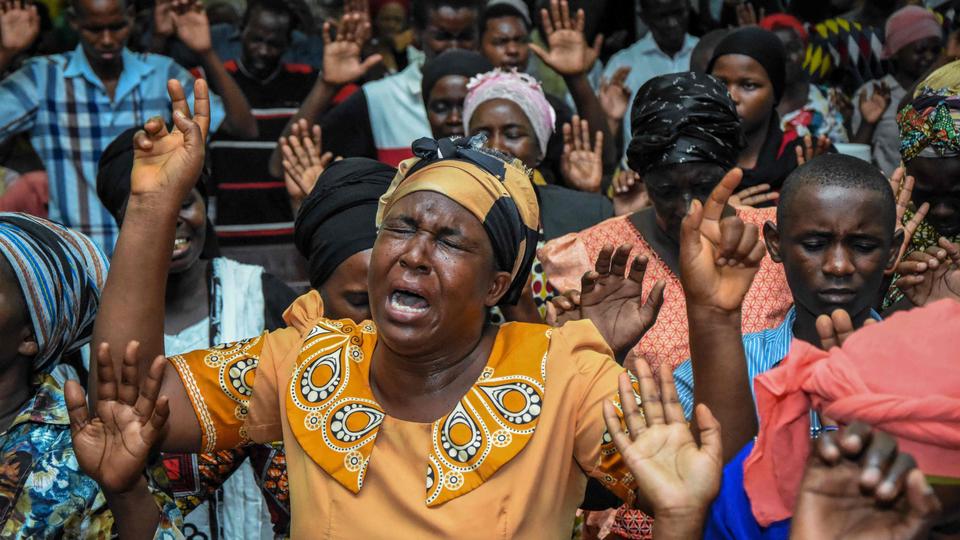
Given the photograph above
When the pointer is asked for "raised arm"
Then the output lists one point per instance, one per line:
(719, 257)
(166, 165)
(193, 29)
(19, 28)
(342, 65)
(569, 55)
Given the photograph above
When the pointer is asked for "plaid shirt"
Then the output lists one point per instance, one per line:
(63, 105)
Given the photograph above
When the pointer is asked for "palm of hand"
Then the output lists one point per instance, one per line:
(583, 168)
(873, 108)
(163, 165)
(569, 54)
(110, 448)
(669, 466)
(193, 29)
(614, 101)
(944, 282)
(830, 505)
(614, 305)
(18, 29)
(341, 62)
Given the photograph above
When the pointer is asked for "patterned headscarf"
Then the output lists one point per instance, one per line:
(929, 123)
(498, 193)
(682, 118)
(519, 88)
(61, 273)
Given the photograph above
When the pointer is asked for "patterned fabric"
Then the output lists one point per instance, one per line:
(43, 493)
(666, 344)
(817, 117)
(840, 48)
(60, 273)
(330, 417)
(930, 119)
(63, 105)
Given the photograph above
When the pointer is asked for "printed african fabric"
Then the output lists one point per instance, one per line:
(817, 117)
(567, 258)
(43, 493)
(843, 50)
(510, 459)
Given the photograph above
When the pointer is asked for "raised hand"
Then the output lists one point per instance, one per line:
(719, 256)
(192, 25)
(752, 196)
(902, 187)
(834, 329)
(303, 162)
(931, 275)
(581, 165)
(168, 163)
(629, 193)
(612, 298)
(747, 15)
(615, 96)
(163, 24)
(858, 486)
(113, 445)
(568, 52)
(563, 308)
(678, 478)
(808, 150)
(19, 26)
(873, 106)
(341, 55)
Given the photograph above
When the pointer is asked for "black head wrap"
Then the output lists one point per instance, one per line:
(453, 62)
(761, 45)
(338, 218)
(113, 185)
(683, 118)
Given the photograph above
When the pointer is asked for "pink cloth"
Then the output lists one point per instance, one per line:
(520, 88)
(28, 193)
(901, 376)
(909, 24)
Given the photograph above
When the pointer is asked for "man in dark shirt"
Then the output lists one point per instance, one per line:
(254, 219)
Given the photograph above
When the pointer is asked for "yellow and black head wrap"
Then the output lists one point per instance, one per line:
(498, 193)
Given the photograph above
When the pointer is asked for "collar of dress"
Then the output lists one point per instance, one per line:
(335, 418)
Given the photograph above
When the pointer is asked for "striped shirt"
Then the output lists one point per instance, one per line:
(763, 350)
(64, 107)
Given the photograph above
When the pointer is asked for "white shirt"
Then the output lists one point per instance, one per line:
(647, 61)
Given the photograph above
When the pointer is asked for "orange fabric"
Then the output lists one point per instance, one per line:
(864, 380)
(567, 258)
(364, 474)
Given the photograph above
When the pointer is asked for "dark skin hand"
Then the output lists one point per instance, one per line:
(719, 257)
(611, 296)
(932, 274)
(859, 486)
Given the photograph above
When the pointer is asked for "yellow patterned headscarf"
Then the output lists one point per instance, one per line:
(929, 123)
(499, 194)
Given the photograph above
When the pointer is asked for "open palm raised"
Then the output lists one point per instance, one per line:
(112, 446)
(168, 163)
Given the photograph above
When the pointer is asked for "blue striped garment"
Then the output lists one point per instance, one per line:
(764, 350)
(63, 105)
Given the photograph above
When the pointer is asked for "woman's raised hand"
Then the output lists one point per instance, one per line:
(167, 164)
(113, 444)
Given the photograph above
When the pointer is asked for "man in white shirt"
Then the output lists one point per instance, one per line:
(665, 49)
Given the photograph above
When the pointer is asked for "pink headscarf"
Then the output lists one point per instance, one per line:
(902, 376)
(519, 88)
(907, 25)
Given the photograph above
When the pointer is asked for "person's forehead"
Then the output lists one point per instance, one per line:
(834, 207)
(435, 210)
(506, 25)
(660, 6)
(450, 17)
(269, 21)
(935, 174)
(500, 111)
(738, 64)
(101, 9)
(450, 86)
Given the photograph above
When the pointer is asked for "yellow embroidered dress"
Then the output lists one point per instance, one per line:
(511, 459)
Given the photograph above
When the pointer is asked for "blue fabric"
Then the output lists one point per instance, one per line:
(60, 273)
(730, 516)
(64, 107)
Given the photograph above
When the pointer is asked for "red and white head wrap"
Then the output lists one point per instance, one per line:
(519, 88)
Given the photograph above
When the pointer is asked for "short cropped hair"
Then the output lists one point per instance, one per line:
(839, 170)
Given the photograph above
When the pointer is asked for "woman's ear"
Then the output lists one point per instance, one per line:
(498, 287)
(28, 345)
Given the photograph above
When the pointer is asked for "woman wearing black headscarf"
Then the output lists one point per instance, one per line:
(752, 63)
(686, 136)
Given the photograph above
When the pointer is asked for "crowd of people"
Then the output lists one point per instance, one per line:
(480, 269)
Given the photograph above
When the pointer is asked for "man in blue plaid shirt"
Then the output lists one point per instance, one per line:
(73, 105)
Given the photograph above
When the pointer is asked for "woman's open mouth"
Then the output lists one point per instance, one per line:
(404, 301)
(180, 247)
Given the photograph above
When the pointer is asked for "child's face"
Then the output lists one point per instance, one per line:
(834, 246)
